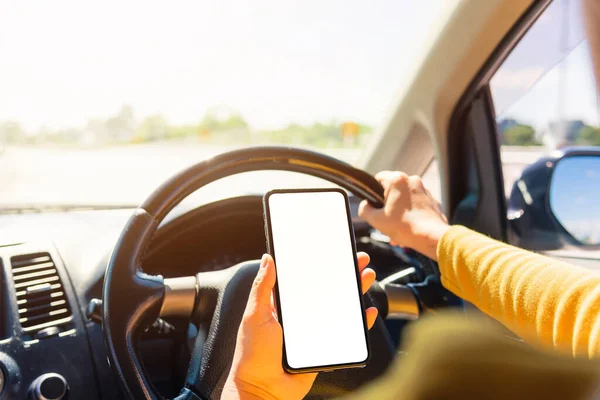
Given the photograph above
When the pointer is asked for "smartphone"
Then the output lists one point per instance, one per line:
(318, 292)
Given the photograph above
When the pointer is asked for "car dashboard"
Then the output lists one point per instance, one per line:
(53, 267)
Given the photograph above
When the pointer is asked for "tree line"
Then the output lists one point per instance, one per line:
(574, 132)
(218, 125)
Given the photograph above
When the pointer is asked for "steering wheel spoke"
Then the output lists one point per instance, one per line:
(180, 297)
(219, 307)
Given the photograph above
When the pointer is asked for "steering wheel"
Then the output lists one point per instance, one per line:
(133, 299)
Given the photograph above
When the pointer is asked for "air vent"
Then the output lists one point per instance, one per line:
(41, 299)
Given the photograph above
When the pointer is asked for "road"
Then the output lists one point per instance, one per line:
(124, 175)
(128, 174)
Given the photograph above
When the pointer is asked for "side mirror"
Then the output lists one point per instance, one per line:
(556, 201)
(574, 197)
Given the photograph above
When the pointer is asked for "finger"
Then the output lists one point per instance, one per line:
(371, 314)
(369, 213)
(363, 207)
(263, 284)
(385, 176)
(367, 277)
(416, 181)
(366, 210)
(363, 260)
(382, 174)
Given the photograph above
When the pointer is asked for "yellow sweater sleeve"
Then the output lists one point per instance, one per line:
(540, 299)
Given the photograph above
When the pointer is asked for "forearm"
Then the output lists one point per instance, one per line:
(540, 299)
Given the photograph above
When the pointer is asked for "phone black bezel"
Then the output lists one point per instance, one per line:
(270, 250)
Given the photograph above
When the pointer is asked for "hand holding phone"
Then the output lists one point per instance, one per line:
(257, 371)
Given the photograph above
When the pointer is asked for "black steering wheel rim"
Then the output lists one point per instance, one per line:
(124, 278)
(170, 193)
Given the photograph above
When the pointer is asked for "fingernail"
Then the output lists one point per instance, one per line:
(263, 261)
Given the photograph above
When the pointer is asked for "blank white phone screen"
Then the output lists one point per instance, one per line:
(318, 289)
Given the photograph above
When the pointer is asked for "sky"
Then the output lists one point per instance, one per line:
(542, 103)
(276, 62)
(527, 86)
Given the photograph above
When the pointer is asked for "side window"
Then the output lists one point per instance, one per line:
(545, 98)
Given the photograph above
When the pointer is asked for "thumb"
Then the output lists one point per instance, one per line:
(260, 294)
(369, 213)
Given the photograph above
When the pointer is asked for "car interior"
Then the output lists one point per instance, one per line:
(144, 302)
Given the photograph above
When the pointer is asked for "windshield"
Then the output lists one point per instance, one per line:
(100, 102)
